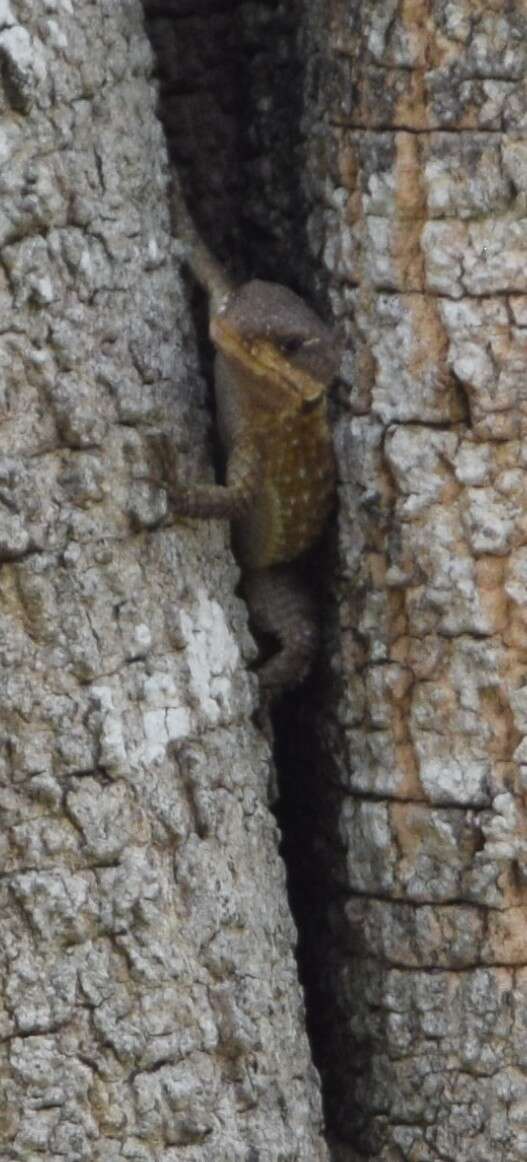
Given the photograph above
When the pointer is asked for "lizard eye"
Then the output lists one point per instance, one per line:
(292, 345)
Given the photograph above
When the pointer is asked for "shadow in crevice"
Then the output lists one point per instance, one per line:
(331, 969)
(231, 94)
(231, 100)
(306, 812)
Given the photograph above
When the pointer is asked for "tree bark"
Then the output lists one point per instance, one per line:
(416, 154)
(150, 1001)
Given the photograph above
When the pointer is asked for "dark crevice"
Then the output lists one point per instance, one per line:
(331, 951)
(231, 88)
(307, 813)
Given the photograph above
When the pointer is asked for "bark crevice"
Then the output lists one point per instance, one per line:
(246, 187)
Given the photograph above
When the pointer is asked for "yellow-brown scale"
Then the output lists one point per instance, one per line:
(297, 491)
(284, 408)
(300, 474)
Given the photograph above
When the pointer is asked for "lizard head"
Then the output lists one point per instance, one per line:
(275, 336)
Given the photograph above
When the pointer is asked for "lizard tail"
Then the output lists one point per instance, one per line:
(204, 266)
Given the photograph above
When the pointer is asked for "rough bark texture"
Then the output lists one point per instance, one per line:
(416, 152)
(150, 1003)
(150, 1008)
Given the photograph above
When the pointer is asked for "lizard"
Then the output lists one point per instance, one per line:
(275, 360)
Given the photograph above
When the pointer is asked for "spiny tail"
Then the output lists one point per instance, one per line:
(204, 266)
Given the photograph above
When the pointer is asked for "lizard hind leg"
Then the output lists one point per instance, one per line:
(280, 605)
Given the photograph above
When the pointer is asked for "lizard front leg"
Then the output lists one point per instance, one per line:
(281, 606)
(226, 502)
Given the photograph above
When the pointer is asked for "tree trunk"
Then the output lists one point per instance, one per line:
(150, 1001)
(416, 118)
(151, 1008)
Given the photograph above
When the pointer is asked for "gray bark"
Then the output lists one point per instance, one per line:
(417, 160)
(150, 1007)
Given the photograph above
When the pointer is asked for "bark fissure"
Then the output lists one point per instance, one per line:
(268, 240)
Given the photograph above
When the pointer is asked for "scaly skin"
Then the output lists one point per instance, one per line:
(275, 361)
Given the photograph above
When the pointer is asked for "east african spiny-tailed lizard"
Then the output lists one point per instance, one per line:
(274, 362)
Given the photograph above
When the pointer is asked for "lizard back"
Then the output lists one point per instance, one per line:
(297, 490)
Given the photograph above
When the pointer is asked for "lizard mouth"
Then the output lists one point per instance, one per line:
(261, 358)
